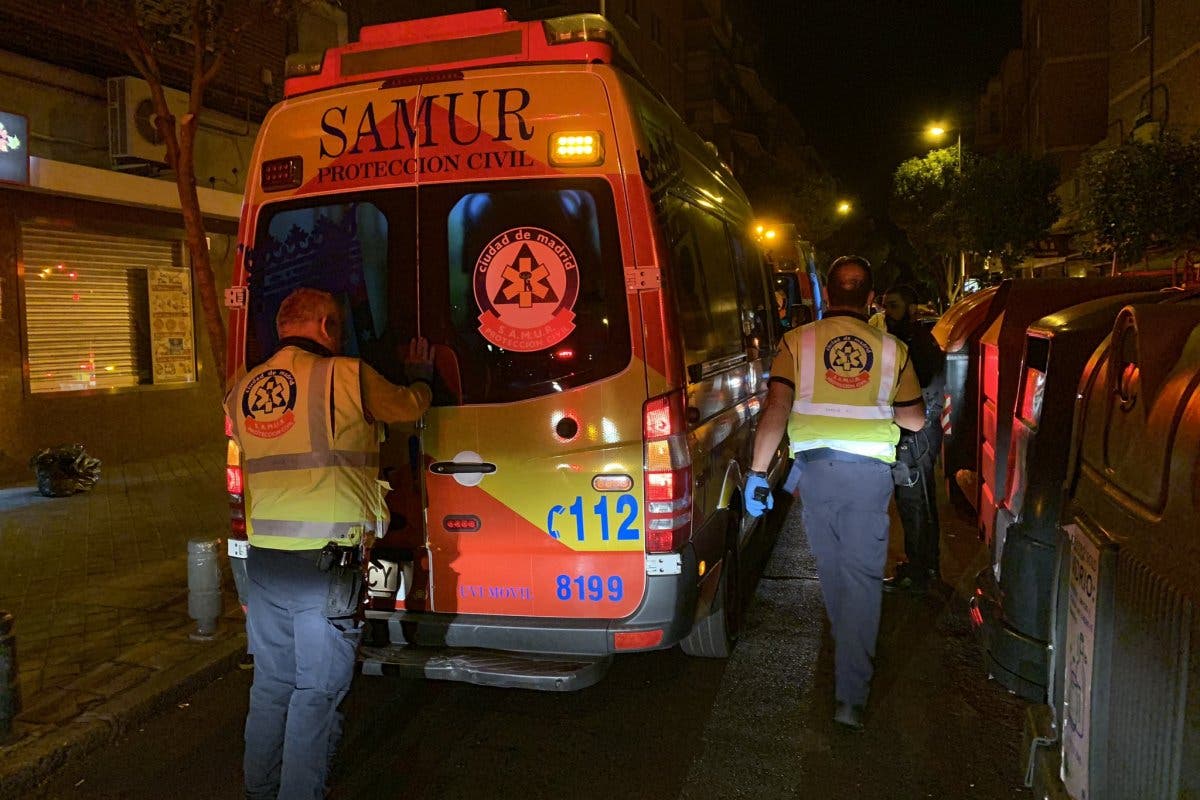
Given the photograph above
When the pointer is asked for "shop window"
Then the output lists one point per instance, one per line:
(105, 311)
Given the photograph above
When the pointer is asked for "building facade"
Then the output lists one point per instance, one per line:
(1154, 67)
(102, 341)
(1091, 75)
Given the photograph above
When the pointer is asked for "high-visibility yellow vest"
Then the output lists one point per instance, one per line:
(309, 455)
(845, 374)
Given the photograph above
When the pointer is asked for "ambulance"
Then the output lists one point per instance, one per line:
(602, 325)
(793, 263)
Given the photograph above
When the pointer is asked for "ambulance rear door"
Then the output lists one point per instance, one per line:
(531, 462)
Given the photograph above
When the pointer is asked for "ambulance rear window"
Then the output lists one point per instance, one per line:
(520, 282)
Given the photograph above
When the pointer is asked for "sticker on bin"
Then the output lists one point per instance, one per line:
(237, 548)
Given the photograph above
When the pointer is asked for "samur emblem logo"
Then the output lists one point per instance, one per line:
(526, 284)
(268, 404)
(848, 361)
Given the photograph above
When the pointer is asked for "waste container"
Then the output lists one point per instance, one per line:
(958, 332)
(1014, 596)
(1126, 639)
(999, 360)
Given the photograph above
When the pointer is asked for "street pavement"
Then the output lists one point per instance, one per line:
(658, 725)
(97, 586)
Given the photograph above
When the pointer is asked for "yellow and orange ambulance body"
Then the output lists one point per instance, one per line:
(582, 262)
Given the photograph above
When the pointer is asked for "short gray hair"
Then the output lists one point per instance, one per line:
(305, 305)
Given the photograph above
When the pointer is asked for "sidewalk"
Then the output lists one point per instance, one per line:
(936, 726)
(97, 586)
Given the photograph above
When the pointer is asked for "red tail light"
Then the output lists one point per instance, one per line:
(637, 640)
(668, 474)
(233, 480)
(235, 485)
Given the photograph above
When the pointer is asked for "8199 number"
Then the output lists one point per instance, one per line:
(589, 588)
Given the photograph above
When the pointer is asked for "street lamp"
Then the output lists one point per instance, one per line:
(936, 131)
(844, 207)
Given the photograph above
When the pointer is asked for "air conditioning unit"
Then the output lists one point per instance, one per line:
(133, 139)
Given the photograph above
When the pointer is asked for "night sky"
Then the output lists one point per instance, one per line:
(865, 76)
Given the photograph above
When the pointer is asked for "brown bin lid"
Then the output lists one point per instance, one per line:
(963, 318)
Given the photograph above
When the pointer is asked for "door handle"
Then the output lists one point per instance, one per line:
(461, 468)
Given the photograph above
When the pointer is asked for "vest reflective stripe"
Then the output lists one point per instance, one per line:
(808, 366)
(314, 481)
(884, 452)
(830, 410)
(318, 435)
(310, 530)
(331, 458)
(889, 374)
(841, 410)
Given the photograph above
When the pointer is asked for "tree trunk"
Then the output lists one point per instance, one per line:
(197, 244)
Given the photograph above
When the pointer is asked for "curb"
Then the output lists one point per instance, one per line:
(25, 766)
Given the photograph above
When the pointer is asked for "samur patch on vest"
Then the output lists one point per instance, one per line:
(526, 283)
(848, 361)
(268, 404)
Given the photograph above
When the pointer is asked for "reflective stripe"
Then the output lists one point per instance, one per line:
(880, 450)
(319, 423)
(808, 362)
(329, 458)
(308, 530)
(842, 410)
(887, 367)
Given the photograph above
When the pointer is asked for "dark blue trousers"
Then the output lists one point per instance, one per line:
(845, 515)
(304, 641)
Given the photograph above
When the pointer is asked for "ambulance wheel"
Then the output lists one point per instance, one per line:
(716, 635)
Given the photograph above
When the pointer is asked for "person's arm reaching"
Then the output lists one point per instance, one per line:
(386, 402)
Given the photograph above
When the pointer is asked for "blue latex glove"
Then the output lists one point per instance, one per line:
(755, 506)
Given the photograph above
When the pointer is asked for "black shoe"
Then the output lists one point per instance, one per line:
(850, 716)
(906, 583)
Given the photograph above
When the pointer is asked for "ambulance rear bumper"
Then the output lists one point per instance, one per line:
(669, 605)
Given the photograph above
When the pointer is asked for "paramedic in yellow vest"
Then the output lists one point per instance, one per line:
(308, 422)
(842, 389)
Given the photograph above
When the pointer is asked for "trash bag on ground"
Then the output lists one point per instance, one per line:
(65, 470)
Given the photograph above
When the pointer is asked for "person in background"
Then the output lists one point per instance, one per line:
(308, 425)
(916, 489)
(842, 390)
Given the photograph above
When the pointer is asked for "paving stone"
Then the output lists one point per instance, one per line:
(109, 679)
(61, 674)
(57, 706)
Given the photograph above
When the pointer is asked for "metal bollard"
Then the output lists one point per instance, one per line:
(204, 587)
(10, 698)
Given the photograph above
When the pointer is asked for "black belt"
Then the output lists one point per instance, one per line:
(829, 454)
(326, 557)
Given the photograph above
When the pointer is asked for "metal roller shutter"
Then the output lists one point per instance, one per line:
(86, 307)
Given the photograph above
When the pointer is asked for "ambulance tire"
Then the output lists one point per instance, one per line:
(716, 635)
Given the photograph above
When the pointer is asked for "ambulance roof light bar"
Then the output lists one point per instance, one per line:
(459, 41)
